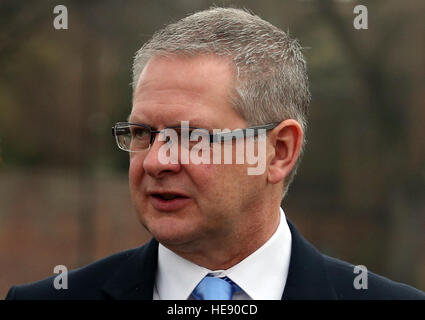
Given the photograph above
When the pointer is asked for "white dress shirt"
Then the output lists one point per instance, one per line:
(261, 276)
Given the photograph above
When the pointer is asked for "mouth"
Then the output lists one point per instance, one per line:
(168, 201)
(168, 196)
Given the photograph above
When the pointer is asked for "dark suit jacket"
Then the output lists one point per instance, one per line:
(131, 275)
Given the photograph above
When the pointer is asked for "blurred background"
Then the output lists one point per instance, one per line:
(64, 198)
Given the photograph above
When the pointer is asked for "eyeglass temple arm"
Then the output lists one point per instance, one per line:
(242, 132)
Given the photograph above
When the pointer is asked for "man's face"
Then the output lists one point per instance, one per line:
(216, 201)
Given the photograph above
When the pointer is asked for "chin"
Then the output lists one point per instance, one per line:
(174, 239)
(171, 231)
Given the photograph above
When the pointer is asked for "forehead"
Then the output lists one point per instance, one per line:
(184, 88)
(203, 68)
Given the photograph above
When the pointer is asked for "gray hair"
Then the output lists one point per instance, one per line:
(272, 82)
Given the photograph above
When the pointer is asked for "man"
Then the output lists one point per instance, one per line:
(218, 231)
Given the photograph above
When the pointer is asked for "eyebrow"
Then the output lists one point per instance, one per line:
(192, 124)
(128, 117)
(196, 123)
(134, 119)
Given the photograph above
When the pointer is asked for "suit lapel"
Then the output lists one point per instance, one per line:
(135, 279)
(307, 275)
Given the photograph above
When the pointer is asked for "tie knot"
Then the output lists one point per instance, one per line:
(213, 288)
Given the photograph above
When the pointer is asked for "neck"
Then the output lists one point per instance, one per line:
(228, 251)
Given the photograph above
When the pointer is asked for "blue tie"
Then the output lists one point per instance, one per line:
(212, 288)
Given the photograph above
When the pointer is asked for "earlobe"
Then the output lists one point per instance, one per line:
(286, 141)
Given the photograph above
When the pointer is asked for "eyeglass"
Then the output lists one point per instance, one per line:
(136, 137)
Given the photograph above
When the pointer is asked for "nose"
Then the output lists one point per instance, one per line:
(161, 159)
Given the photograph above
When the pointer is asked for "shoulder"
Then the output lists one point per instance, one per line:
(350, 282)
(82, 283)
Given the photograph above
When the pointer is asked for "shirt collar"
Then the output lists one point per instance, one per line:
(262, 275)
(176, 277)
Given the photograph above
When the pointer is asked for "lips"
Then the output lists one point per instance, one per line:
(167, 196)
(168, 200)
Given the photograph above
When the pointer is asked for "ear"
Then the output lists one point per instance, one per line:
(286, 141)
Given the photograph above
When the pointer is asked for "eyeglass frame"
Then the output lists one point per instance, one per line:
(213, 137)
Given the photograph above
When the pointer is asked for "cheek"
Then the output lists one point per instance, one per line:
(206, 181)
(202, 176)
(135, 171)
(216, 181)
(235, 185)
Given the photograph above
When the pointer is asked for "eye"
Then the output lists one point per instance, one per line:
(140, 133)
(119, 131)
